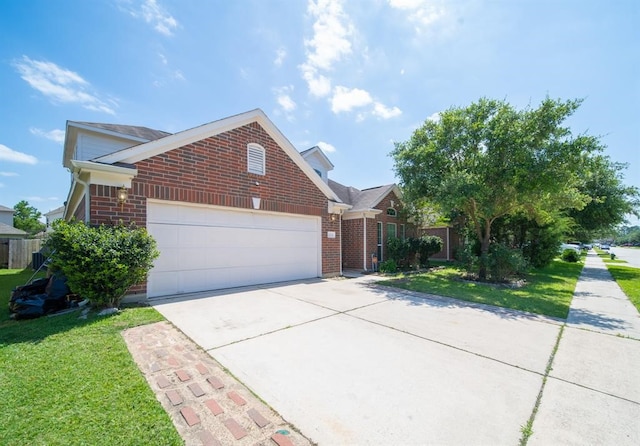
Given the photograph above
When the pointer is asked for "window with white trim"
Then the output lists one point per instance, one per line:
(391, 212)
(255, 159)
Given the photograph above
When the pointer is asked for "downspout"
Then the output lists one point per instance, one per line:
(87, 197)
(340, 217)
(364, 247)
(448, 244)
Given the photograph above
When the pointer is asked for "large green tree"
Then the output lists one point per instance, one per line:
(27, 218)
(490, 160)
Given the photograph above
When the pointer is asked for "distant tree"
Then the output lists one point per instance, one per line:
(489, 160)
(27, 218)
(610, 200)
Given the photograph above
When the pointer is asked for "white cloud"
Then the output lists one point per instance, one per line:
(163, 59)
(155, 15)
(319, 85)
(435, 117)
(326, 147)
(283, 96)
(7, 154)
(56, 135)
(281, 53)
(60, 85)
(346, 99)
(8, 174)
(332, 30)
(423, 13)
(384, 112)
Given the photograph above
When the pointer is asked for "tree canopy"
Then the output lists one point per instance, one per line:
(27, 218)
(490, 160)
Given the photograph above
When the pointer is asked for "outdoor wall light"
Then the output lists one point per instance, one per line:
(334, 217)
(123, 195)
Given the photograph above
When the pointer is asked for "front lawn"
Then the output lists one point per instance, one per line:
(629, 280)
(66, 381)
(548, 291)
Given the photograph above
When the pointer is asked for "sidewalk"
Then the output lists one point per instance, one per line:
(592, 393)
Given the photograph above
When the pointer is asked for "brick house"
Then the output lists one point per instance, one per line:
(230, 203)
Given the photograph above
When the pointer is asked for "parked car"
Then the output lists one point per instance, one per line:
(564, 246)
(605, 247)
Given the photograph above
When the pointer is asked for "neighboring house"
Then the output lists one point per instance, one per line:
(230, 203)
(7, 230)
(374, 217)
(51, 216)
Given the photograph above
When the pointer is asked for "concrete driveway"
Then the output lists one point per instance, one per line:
(350, 363)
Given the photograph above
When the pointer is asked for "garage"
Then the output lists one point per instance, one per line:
(212, 247)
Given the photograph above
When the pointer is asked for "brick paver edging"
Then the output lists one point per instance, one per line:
(207, 406)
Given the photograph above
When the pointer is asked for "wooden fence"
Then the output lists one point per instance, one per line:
(17, 253)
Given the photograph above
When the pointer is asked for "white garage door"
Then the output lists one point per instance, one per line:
(207, 248)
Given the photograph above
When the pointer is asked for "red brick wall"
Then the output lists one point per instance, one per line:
(352, 243)
(214, 171)
(449, 244)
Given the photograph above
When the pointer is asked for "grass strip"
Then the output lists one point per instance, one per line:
(547, 291)
(67, 381)
(628, 278)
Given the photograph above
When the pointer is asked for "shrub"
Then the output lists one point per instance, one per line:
(388, 266)
(398, 250)
(428, 245)
(101, 263)
(504, 262)
(570, 255)
(467, 258)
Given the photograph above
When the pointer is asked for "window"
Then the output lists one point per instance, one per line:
(255, 159)
(392, 230)
(318, 172)
(391, 212)
(403, 232)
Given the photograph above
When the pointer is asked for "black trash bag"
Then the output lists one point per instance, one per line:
(42, 296)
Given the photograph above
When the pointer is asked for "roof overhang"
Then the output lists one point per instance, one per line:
(361, 213)
(338, 208)
(104, 174)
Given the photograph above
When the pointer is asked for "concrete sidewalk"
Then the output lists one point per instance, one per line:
(592, 393)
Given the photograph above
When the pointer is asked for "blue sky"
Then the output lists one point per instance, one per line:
(350, 76)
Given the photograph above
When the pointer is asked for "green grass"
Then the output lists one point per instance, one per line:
(629, 280)
(548, 291)
(66, 381)
(606, 256)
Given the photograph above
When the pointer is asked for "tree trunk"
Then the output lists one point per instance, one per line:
(485, 241)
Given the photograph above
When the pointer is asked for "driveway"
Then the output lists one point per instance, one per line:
(350, 363)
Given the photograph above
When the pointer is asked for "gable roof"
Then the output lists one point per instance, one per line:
(146, 150)
(144, 133)
(315, 150)
(10, 231)
(363, 199)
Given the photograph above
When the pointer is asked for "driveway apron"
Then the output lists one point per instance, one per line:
(347, 362)
(592, 395)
